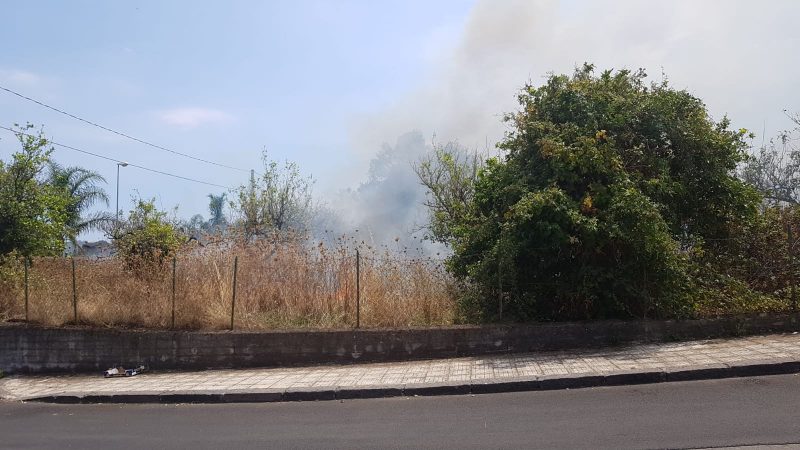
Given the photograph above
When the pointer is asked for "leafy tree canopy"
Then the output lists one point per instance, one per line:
(448, 173)
(606, 187)
(33, 213)
(278, 200)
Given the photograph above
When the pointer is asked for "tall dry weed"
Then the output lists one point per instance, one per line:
(279, 284)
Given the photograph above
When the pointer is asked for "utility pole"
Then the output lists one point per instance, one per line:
(116, 212)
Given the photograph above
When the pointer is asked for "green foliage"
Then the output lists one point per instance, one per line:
(147, 237)
(81, 187)
(449, 175)
(752, 270)
(607, 187)
(33, 213)
(277, 201)
(723, 295)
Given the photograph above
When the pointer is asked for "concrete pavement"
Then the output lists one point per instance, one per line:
(636, 364)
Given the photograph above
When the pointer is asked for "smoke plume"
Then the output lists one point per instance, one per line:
(735, 55)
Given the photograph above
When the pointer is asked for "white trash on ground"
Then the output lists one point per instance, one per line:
(123, 372)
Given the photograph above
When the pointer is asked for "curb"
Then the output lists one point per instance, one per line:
(543, 383)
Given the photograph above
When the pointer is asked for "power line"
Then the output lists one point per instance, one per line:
(119, 133)
(117, 160)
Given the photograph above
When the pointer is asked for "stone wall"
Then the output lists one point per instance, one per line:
(33, 349)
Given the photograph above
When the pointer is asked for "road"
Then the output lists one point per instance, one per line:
(744, 411)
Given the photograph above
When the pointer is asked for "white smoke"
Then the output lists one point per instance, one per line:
(738, 56)
(385, 211)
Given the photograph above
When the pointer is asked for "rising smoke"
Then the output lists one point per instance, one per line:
(385, 211)
(733, 54)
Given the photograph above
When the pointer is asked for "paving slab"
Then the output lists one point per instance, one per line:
(631, 364)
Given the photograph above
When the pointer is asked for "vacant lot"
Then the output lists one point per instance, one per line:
(277, 286)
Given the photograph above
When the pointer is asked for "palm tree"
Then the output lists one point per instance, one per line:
(216, 203)
(82, 187)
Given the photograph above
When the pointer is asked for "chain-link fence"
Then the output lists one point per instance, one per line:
(250, 289)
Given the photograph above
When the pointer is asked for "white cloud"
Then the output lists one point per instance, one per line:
(20, 77)
(193, 117)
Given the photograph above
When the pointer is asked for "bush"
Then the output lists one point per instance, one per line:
(751, 271)
(147, 238)
(606, 190)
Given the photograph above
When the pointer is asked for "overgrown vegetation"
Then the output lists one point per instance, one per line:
(280, 283)
(147, 238)
(279, 199)
(610, 197)
(614, 198)
(33, 213)
(449, 174)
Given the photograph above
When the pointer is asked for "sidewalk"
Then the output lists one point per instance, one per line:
(721, 358)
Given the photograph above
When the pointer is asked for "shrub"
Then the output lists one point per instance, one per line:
(596, 208)
(147, 238)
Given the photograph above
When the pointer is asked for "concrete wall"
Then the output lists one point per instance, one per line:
(33, 349)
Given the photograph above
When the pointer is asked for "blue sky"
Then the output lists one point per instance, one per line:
(324, 83)
(215, 80)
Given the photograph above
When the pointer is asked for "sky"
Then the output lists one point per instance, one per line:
(328, 83)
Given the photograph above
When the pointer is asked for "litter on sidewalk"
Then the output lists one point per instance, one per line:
(123, 372)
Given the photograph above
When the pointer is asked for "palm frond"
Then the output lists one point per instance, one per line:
(83, 187)
(95, 221)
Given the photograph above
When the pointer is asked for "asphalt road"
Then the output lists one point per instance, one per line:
(744, 411)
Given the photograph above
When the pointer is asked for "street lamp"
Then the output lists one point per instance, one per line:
(123, 164)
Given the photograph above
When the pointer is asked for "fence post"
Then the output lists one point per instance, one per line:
(74, 294)
(174, 263)
(790, 239)
(26, 288)
(500, 288)
(233, 301)
(358, 289)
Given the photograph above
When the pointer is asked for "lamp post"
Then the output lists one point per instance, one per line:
(123, 164)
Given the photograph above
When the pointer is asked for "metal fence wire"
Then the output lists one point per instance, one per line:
(248, 291)
(281, 288)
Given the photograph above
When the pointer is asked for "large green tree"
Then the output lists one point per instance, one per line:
(33, 213)
(606, 188)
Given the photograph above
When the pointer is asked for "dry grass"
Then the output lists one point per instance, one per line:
(279, 285)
